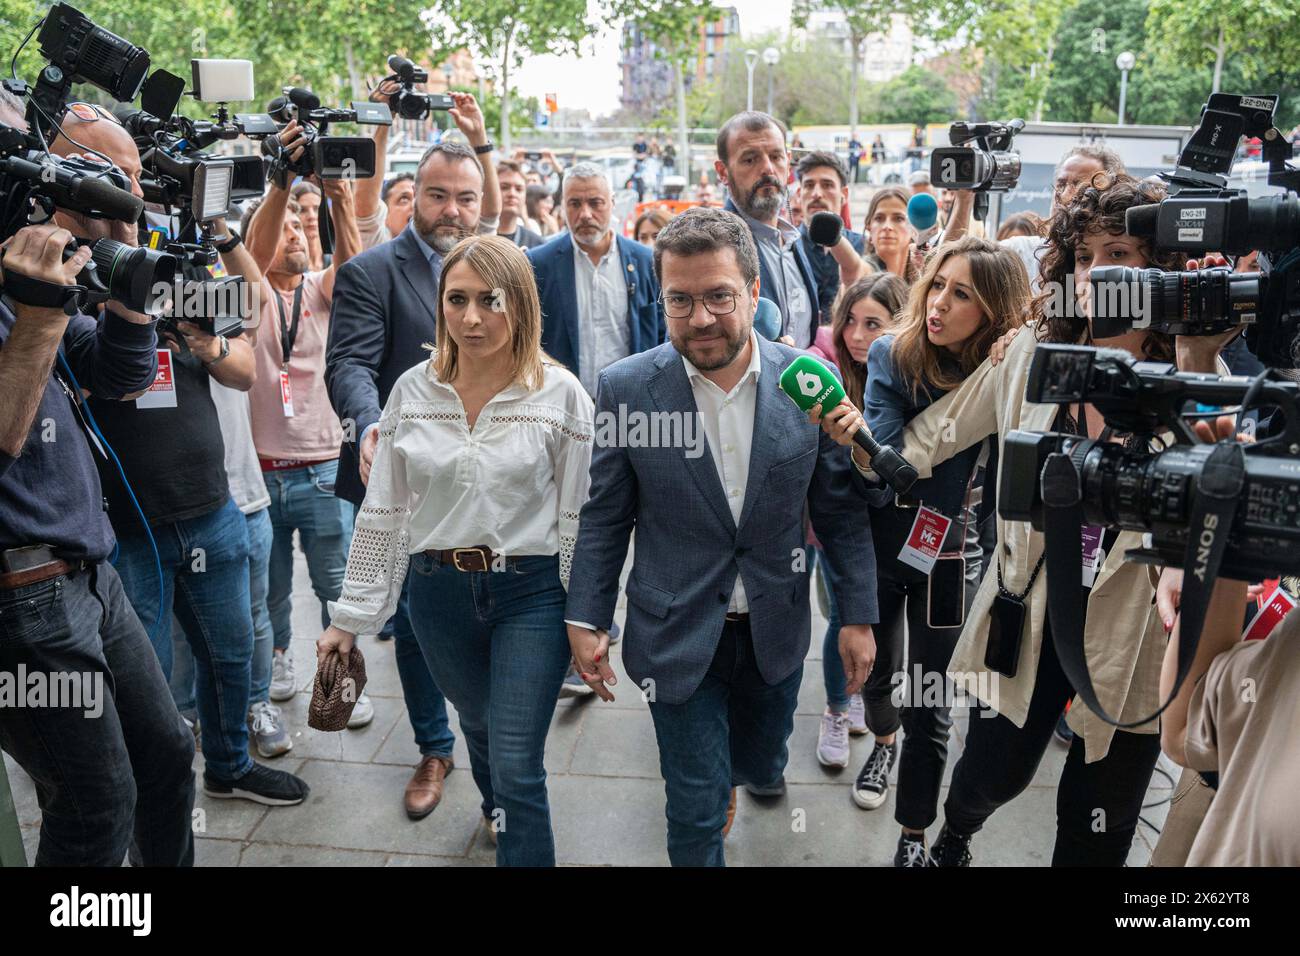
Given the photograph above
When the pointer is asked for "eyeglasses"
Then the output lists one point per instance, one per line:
(679, 305)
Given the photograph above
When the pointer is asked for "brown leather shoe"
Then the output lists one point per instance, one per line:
(731, 814)
(424, 791)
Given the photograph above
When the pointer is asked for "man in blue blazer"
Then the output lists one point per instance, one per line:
(600, 299)
(718, 619)
(755, 167)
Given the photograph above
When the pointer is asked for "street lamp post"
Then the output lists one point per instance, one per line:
(751, 61)
(771, 56)
(1125, 63)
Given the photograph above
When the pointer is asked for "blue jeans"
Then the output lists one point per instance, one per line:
(733, 730)
(496, 644)
(425, 705)
(259, 553)
(102, 778)
(302, 500)
(837, 701)
(205, 581)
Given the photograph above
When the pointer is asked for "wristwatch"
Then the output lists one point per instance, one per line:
(225, 350)
(234, 240)
(484, 149)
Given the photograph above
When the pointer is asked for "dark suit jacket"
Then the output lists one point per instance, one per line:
(689, 549)
(556, 285)
(385, 303)
(826, 270)
(767, 282)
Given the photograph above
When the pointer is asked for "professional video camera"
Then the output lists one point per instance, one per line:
(32, 178)
(329, 157)
(1224, 509)
(1159, 492)
(988, 166)
(1202, 215)
(407, 103)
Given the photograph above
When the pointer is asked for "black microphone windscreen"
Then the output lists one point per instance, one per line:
(114, 202)
(304, 99)
(825, 228)
(1141, 220)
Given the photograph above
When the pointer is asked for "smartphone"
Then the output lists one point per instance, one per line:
(946, 596)
(532, 155)
(1006, 631)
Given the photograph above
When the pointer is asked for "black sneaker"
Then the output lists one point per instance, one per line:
(871, 789)
(274, 788)
(951, 849)
(911, 852)
(1063, 733)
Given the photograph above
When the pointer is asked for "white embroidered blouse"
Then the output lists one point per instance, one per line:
(516, 482)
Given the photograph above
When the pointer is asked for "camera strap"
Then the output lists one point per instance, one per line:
(1218, 489)
(289, 333)
(45, 295)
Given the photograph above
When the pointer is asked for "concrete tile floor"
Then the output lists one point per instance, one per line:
(607, 798)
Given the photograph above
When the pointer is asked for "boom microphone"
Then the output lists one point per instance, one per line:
(808, 382)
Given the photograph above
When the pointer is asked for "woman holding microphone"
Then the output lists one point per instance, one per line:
(1020, 683)
(478, 481)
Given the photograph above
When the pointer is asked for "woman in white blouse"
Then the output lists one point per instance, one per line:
(478, 480)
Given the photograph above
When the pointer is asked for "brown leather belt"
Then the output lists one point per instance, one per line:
(43, 565)
(734, 618)
(479, 558)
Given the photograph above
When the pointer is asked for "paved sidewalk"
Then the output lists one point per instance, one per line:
(607, 798)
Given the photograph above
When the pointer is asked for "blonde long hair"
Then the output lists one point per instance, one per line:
(1001, 290)
(505, 269)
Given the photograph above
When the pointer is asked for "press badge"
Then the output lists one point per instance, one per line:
(286, 393)
(1093, 553)
(162, 393)
(924, 540)
(1278, 605)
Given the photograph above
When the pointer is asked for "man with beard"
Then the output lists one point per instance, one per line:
(754, 165)
(823, 187)
(385, 308)
(600, 299)
(295, 431)
(718, 620)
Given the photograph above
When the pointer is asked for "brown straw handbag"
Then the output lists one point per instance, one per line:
(336, 690)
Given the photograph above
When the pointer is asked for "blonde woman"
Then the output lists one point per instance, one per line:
(478, 481)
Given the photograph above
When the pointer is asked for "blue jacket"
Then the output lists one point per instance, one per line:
(888, 406)
(826, 270)
(767, 282)
(689, 549)
(557, 287)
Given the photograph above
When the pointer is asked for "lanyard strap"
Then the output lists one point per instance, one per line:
(289, 333)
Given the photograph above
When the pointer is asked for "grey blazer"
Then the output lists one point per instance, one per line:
(689, 549)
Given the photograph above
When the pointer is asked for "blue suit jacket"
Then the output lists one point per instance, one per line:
(384, 310)
(688, 547)
(557, 287)
(767, 282)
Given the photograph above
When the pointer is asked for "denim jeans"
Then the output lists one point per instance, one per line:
(205, 581)
(103, 778)
(426, 707)
(302, 500)
(259, 553)
(733, 730)
(833, 676)
(497, 645)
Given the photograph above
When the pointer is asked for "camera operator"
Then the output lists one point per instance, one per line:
(125, 772)
(1236, 716)
(1107, 769)
(514, 190)
(378, 220)
(170, 446)
(294, 427)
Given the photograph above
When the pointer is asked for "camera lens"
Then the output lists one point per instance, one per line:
(141, 279)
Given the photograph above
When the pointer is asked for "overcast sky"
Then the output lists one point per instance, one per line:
(593, 81)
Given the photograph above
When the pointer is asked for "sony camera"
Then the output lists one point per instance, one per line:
(406, 102)
(329, 157)
(1132, 488)
(1201, 215)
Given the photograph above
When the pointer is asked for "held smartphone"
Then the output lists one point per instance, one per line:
(1006, 630)
(946, 596)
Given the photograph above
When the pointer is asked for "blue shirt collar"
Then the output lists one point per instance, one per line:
(430, 253)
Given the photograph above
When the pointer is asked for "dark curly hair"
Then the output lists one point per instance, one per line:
(1099, 207)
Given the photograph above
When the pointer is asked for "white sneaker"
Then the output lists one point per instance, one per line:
(833, 740)
(857, 716)
(362, 714)
(266, 726)
(284, 682)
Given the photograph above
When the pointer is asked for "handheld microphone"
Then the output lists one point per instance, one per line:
(767, 319)
(825, 229)
(923, 214)
(808, 382)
